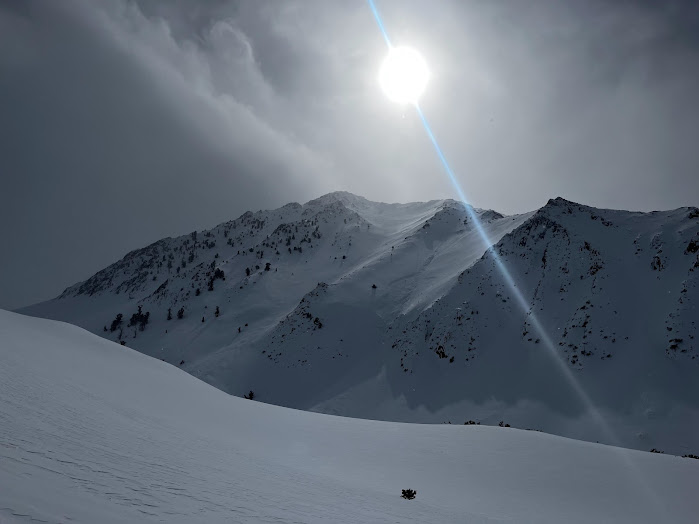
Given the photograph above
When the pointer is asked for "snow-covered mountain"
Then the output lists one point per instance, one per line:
(401, 312)
(93, 432)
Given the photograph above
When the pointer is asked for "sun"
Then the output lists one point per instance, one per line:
(404, 75)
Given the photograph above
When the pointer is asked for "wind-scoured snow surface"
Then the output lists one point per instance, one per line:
(91, 431)
(400, 312)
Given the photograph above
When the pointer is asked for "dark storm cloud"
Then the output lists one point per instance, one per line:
(115, 134)
(122, 122)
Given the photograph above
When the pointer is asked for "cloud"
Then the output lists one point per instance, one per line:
(124, 121)
(115, 134)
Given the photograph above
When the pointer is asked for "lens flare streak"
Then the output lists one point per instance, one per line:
(377, 16)
(522, 301)
(524, 304)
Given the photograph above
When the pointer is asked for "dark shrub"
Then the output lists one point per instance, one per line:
(116, 322)
(139, 318)
(408, 494)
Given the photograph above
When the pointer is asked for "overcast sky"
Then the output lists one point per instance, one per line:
(122, 122)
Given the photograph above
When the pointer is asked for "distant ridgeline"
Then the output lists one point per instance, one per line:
(401, 312)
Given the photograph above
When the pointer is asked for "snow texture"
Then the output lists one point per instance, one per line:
(91, 431)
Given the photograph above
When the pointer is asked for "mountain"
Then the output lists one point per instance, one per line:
(94, 432)
(402, 312)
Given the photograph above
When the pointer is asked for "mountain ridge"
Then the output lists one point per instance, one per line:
(400, 312)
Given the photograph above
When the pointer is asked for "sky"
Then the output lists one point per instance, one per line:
(125, 121)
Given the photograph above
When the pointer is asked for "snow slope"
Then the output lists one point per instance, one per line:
(91, 431)
(397, 312)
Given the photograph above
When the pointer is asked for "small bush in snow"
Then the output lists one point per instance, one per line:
(409, 494)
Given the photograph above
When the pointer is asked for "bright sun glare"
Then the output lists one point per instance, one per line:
(404, 75)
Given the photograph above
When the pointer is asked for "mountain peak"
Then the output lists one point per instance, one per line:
(344, 197)
(561, 202)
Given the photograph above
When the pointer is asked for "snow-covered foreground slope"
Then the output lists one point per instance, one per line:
(397, 312)
(91, 431)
